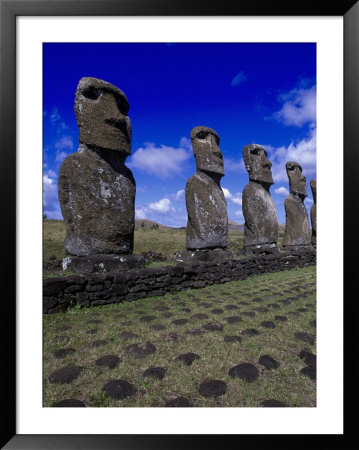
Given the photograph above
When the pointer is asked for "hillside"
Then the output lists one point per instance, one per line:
(149, 224)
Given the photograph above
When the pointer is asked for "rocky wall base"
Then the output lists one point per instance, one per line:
(104, 288)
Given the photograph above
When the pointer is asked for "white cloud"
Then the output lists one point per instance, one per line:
(282, 191)
(163, 162)
(51, 173)
(51, 206)
(65, 142)
(140, 213)
(299, 107)
(162, 206)
(56, 120)
(238, 79)
(60, 156)
(239, 214)
(49, 191)
(179, 194)
(303, 152)
(236, 198)
(186, 143)
(230, 165)
(163, 213)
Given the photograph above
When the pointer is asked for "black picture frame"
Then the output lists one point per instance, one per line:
(9, 10)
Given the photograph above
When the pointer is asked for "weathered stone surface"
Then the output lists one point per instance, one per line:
(118, 287)
(110, 361)
(250, 332)
(232, 338)
(313, 212)
(63, 352)
(96, 190)
(305, 337)
(213, 388)
(261, 223)
(155, 372)
(178, 402)
(65, 374)
(310, 371)
(140, 350)
(103, 263)
(217, 254)
(272, 403)
(297, 230)
(213, 326)
(69, 403)
(268, 362)
(207, 226)
(245, 371)
(308, 357)
(187, 358)
(119, 389)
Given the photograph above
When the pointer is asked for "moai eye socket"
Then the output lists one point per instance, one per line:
(255, 151)
(202, 135)
(91, 93)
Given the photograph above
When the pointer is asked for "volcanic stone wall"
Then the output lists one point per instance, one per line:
(101, 289)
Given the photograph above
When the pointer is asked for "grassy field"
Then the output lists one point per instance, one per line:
(286, 300)
(165, 241)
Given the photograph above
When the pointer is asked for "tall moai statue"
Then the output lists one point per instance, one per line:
(297, 230)
(207, 225)
(96, 189)
(261, 223)
(313, 212)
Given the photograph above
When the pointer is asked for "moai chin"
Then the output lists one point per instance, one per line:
(297, 230)
(207, 226)
(261, 223)
(313, 212)
(96, 189)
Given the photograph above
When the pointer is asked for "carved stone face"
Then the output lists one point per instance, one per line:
(297, 181)
(206, 151)
(313, 186)
(257, 164)
(102, 115)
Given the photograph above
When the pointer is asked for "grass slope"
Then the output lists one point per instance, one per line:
(290, 294)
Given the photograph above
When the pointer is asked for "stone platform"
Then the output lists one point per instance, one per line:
(103, 263)
(265, 249)
(215, 255)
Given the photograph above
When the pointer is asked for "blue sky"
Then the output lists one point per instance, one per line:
(249, 93)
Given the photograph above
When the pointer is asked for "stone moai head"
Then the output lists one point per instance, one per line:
(257, 164)
(313, 186)
(102, 116)
(297, 181)
(207, 154)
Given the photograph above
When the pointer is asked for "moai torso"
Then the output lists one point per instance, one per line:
(207, 226)
(96, 190)
(97, 203)
(313, 212)
(261, 223)
(297, 230)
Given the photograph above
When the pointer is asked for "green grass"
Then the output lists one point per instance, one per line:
(285, 384)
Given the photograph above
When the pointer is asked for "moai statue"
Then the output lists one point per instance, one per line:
(207, 226)
(261, 223)
(96, 189)
(313, 212)
(297, 230)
